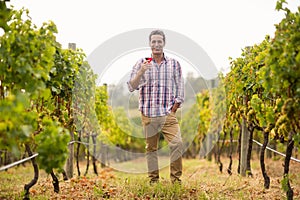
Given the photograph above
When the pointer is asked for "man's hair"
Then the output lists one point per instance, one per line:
(158, 32)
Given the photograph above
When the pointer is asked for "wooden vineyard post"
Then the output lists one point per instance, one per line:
(244, 144)
(70, 160)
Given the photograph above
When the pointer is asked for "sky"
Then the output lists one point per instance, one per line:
(222, 28)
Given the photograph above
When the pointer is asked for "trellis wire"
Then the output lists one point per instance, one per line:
(292, 158)
(18, 162)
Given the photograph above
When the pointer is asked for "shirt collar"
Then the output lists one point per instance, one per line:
(165, 58)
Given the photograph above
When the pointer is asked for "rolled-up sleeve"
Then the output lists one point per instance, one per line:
(179, 84)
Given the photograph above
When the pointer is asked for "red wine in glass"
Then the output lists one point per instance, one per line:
(149, 59)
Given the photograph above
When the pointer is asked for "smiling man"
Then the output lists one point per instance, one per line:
(161, 92)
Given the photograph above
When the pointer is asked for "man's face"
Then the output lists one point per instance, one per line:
(157, 44)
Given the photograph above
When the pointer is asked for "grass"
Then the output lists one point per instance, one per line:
(201, 180)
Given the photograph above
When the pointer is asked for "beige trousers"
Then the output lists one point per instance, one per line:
(169, 126)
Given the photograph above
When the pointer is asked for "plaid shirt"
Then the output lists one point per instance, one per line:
(160, 87)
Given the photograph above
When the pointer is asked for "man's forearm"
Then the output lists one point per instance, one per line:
(136, 80)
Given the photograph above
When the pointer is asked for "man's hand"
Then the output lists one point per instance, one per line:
(175, 107)
(145, 66)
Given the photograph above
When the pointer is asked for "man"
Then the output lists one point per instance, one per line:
(161, 92)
